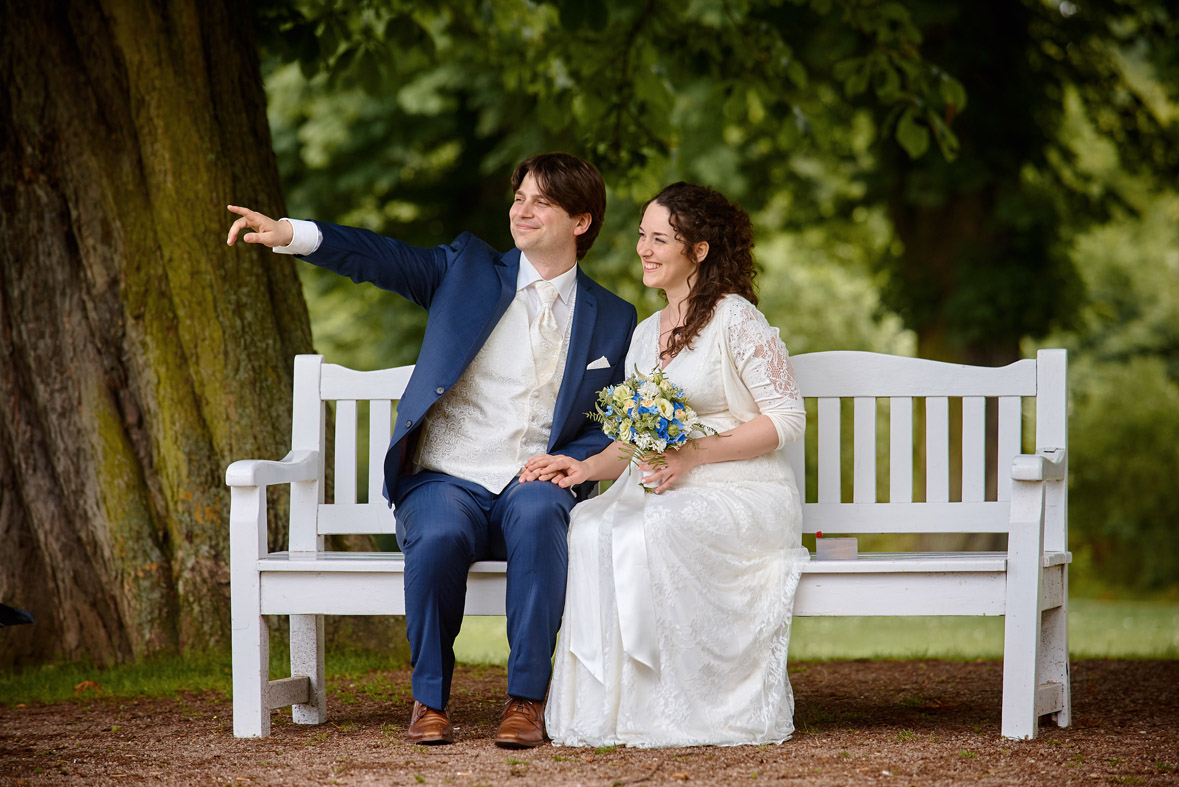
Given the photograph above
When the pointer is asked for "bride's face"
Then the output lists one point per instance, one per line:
(665, 265)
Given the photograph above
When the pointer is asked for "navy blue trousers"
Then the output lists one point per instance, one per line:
(445, 524)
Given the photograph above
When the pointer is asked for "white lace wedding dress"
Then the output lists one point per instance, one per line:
(677, 616)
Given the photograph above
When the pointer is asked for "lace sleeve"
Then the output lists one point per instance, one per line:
(764, 366)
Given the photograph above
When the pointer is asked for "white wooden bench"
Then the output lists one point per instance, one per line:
(1028, 583)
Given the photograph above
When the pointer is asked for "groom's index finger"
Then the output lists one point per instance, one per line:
(248, 219)
(234, 230)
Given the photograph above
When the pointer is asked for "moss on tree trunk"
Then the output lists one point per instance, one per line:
(138, 356)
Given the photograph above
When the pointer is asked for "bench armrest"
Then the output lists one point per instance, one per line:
(1047, 464)
(295, 466)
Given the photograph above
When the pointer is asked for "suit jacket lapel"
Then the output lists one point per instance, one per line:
(585, 317)
(507, 268)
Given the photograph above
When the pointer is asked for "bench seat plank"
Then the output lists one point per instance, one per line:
(866, 563)
(357, 583)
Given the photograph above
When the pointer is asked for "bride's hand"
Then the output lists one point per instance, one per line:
(668, 467)
(561, 470)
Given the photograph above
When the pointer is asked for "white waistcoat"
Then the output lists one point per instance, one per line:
(496, 416)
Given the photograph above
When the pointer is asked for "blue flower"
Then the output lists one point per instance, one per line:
(661, 429)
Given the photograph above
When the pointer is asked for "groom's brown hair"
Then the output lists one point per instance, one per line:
(573, 184)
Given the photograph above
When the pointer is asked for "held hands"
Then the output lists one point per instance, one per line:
(662, 469)
(563, 471)
(267, 231)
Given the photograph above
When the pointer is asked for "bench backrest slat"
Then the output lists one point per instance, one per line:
(900, 449)
(1010, 438)
(974, 449)
(849, 373)
(937, 449)
(864, 450)
(380, 427)
(350, 518)
(340, 382)
(345, 486)
(986, 517)
(829, 454)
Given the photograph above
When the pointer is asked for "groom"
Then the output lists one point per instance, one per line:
(516, 347)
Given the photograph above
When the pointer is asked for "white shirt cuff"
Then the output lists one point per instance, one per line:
(305, 239)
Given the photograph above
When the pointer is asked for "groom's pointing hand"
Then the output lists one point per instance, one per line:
(267, 231)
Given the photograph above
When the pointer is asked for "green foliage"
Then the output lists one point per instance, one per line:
(986, 236)
(1124, 422)
(1125, 460)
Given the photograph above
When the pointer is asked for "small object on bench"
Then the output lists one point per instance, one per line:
(1027, 583)
(835, 548)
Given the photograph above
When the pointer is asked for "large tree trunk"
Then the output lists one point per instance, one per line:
(138, 355)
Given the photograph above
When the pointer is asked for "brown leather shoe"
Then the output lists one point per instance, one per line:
(428, 726)
(521, 725)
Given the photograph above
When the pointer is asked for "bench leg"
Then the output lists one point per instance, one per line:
(251, 679)
(1019, 675)
(307, 659)
(1021, 631)
(250, 636)
(1054, 662)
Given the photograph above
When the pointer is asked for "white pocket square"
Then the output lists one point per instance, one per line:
(601, 363)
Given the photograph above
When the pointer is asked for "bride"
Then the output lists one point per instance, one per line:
(678, 607)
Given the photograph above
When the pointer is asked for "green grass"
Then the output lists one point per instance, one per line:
(1097, 629)
(162, 677)
(167, 676)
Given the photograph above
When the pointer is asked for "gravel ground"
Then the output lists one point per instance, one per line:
(906, 722)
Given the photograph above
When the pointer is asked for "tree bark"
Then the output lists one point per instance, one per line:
(138, 355)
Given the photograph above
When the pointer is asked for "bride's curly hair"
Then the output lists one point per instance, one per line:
(700, 214)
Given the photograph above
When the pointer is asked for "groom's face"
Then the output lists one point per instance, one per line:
(540, 226)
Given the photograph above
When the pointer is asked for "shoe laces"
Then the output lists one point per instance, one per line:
(530, 708)
(420, 710)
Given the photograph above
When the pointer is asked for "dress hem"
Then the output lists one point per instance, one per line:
(687, 744)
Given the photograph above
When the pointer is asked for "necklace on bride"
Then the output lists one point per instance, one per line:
(674, 328)
(667, 335)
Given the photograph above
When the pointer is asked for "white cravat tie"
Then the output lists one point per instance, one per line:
(545, 335)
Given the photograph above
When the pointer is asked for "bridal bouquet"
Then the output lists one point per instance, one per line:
(648, 413)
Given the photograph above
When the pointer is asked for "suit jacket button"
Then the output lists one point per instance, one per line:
(408, 422)
(440, 390)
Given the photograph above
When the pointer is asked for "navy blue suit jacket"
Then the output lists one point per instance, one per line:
(466, 287)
